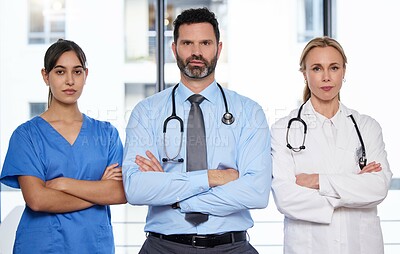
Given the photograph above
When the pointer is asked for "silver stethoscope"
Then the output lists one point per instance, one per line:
(362, 161)
(227, 119)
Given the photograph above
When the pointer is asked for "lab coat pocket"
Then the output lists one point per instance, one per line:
(34, 240)
(348, 160)
(105, 240)
(296, 235)
(371, 239)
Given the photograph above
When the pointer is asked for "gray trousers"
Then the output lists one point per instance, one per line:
(154, 245)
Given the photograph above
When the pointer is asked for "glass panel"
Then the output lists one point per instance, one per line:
(54, 39)
(57, 26)
(36, 40)
(310, 20)
(139, 31)
(37, 108)
(36, 16)
(57, 5)
(48, 17)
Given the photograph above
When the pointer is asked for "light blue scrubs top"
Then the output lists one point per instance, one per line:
(244, 145)
(37, 149)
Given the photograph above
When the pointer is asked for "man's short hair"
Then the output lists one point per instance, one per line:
(192, 16)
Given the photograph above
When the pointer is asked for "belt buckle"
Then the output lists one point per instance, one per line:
(194, 241)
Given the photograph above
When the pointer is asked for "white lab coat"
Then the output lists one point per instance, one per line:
(340, 217)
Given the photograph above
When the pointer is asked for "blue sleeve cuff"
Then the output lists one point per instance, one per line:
(199, 182)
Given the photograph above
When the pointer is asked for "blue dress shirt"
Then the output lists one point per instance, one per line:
(244, 145)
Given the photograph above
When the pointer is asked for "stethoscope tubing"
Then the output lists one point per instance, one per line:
(362, 159)
(227, 119)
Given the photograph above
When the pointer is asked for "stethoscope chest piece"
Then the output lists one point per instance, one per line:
(301, 121)
(228, 118)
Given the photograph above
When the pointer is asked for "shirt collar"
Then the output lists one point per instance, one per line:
(336, 119)
(210, 93)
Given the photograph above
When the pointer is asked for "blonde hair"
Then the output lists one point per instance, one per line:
(318, 42)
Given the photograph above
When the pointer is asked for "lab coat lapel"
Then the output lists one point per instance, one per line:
(345, 138)
(316, 140)
(342, 124)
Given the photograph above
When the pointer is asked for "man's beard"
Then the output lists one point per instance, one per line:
(196, 72)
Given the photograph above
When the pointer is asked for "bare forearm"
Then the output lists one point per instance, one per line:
(312, 180)
(218, 177)
(54, 201)
(308, 180)
(104, 192)
(42, 199)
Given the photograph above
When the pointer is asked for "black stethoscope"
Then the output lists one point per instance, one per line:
(227, 119)
(362, 161)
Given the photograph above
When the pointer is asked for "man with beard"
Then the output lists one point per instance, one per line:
(199, 175)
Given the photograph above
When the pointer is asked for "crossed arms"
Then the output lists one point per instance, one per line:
(62, 195)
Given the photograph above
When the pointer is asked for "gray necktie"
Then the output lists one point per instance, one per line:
(196, 149)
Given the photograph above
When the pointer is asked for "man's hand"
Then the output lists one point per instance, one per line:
(148, 164)
(216, 177)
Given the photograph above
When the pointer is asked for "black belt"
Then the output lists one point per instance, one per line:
(204, 241)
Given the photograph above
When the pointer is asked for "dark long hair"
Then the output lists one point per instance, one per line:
(55, 51)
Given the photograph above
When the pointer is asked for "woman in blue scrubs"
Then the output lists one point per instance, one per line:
(67, 166)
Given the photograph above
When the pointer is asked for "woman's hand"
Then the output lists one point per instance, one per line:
(148, 164)
(112, 172)
(308, 180)
(371, 167)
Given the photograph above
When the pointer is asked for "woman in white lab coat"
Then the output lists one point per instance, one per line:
(321, 182)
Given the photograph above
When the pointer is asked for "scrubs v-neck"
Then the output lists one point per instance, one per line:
(37, 149)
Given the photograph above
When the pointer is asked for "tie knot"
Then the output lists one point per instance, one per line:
(196, 98)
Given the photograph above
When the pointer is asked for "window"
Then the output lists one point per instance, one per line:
(36, 108)
(140, 19)
(310, 20)
(46, 21)
(135, 92)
